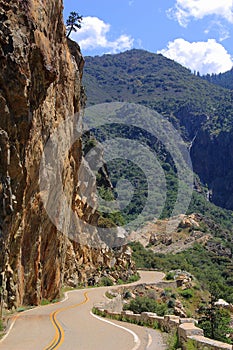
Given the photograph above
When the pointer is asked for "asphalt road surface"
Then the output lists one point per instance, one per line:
(70, 325)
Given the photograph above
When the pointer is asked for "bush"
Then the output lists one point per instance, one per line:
(109, 295)
(106, 281)
(127, 295)
(145, 304)
(173, 341)
(120, 281)
(171, 303)
(170, 276)
(187, 293)
(190, 345)
(133, 278)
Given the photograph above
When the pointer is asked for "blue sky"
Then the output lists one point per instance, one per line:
(196, 33)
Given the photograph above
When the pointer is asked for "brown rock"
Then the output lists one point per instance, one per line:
(40, 86)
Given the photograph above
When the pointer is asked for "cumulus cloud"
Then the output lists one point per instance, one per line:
(205, 57)
(184, 10)
(93, 35)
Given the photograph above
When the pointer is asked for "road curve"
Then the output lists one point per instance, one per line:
(70, 325)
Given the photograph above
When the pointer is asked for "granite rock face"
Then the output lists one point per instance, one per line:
(213, 160)
(40, 86)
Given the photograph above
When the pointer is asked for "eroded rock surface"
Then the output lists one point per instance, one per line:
(40, 86)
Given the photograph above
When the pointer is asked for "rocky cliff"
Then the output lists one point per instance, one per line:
(212, 160)
(40, 86)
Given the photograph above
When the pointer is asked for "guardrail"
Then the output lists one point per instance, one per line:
(186, 328)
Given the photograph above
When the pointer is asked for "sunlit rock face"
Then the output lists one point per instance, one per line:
(40, 86)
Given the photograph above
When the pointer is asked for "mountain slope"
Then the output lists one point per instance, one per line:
(140, 76)
(222, 79)
(202, 111)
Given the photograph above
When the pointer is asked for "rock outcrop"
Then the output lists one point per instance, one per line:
(213, 160)
(175, 234)
(40, 86)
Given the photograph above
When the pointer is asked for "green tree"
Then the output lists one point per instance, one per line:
(215, 321)
(73, 22)
(216, 325)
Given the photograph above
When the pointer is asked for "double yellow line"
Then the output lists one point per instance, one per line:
(59, 331)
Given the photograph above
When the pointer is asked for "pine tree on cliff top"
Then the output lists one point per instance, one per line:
(73, 22)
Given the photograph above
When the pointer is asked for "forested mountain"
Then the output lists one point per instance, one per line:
(202, 111)
(222, 79)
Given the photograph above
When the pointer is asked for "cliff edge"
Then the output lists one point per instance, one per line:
(40, 86)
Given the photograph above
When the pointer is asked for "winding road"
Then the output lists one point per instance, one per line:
(70, 325)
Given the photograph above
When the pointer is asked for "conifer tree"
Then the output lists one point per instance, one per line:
(73, 22)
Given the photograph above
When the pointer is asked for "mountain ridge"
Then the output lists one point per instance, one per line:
(222, 79)
(201, 111)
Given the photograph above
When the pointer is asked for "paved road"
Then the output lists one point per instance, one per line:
(69, 325)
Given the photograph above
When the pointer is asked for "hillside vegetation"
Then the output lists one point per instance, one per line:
(212, 270)
(200, 110)
(203, 113)
(222, 79)
(156, 82)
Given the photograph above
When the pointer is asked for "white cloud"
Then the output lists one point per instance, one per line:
(205, 57)
(184, 10)
(93, 35)
(218, 28)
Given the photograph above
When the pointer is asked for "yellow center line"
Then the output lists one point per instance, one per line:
(59, 337)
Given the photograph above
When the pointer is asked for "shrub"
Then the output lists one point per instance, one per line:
(171, 303)
(145, 304)
(170, 276)
(120, 281)
(187, 293)
(109, 296)
(173, 341)
(127, 295)
(134, 278)
(190, 345)
(106, 281)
